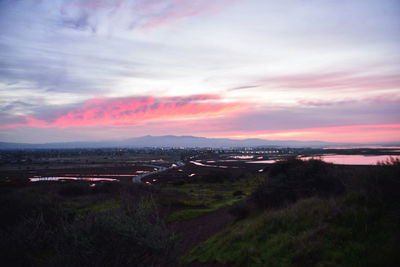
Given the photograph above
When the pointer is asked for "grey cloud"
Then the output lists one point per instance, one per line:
(6, 118)
(81, 22)
(16, 106)
(244, 87)
(314, 117)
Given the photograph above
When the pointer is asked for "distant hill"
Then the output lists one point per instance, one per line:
(172, 141)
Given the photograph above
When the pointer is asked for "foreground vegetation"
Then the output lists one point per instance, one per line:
(299, 213)
(76, 225)
(303, 222)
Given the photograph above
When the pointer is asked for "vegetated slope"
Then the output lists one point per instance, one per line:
(318, 226)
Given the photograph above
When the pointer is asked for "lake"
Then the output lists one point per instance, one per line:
(340, 159)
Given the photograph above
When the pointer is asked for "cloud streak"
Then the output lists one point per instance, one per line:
(134, 14)
(340, 80)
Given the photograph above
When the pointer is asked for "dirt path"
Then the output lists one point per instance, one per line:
(192, 232)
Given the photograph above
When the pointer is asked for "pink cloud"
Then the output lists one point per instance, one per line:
(134, 111)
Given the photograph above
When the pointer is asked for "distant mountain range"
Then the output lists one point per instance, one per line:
(174, 141)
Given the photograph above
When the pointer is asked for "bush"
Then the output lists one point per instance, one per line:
(238, 193)
(116, 239)
(38, 231)
(385, 180)
(293, 179)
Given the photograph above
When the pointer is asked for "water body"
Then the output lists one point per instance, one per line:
(353, 159)
(269, 161)
(241, 157)
(206, 165)
(64, 178)
(340, 159)
(105, 175)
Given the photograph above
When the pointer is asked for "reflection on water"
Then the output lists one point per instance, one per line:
(352, 159)
(206, 165)
(360, 147)
(341, 159)
(241, 157)
(106, 175)
(262, 161)
(38, 179)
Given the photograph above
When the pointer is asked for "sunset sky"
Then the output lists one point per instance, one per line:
(87, 70)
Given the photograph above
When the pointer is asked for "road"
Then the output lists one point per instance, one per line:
(138, 179)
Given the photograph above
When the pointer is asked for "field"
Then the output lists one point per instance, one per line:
(211, 210)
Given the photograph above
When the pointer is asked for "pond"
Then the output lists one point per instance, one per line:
(68, 178)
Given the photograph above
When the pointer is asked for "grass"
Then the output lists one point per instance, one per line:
(198, 199)
(187, 214)
(350, 231)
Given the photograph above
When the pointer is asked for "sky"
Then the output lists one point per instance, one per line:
(90, 70)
